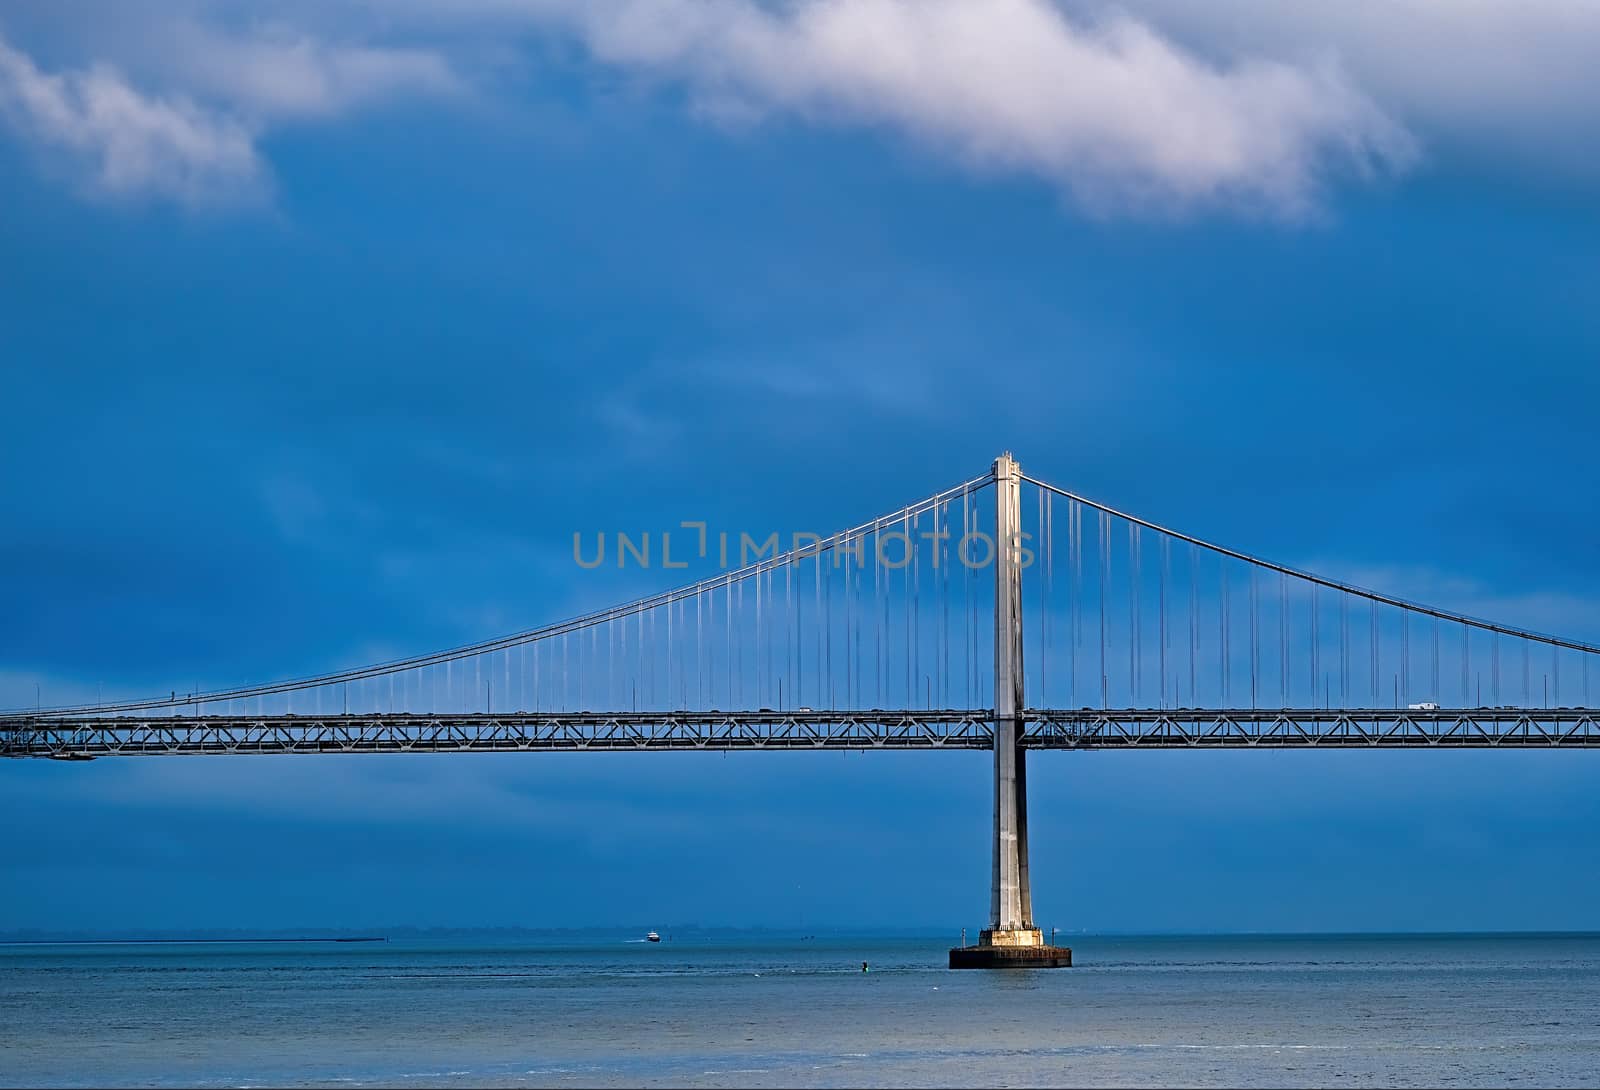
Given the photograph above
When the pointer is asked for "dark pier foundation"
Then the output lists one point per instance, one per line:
(1017, 949)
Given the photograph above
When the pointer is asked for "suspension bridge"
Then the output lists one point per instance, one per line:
(911, 631)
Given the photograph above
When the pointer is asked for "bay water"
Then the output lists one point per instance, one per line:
(768, 1009)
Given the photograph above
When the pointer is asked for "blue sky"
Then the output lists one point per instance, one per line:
(322, 331)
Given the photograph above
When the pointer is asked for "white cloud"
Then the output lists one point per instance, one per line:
(1484, 66)
(280, 72)
(132, 144)
(1109, 110)
(195, 140)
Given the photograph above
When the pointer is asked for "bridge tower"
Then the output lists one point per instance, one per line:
(1011, 940)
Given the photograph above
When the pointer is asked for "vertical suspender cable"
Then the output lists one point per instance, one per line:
(851, 651)
(1255, 637)
(1227, 647)
(1194, 620)
(1044, 610)
(1344, 650)
(963, 553)
(1166, 565)
(820, 623)
(909, 585)
(883, 622)
(1405, 654)
(1373, 646)
(1434, 693)
(1048, 593)
(1134, 659)
(880, 615)
(1283, 640)
(1494, 665)
(762, 659)
(1075, 541)
(1105, 576)
(941, 520)
(916, 612)
(791, 630)
(827, 628)
(853, 589)
(1316, 647)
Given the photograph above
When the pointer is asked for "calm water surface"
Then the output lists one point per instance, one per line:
(789, 1011)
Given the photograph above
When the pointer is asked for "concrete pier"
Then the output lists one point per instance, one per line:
(1038, 956)
(1011, 940)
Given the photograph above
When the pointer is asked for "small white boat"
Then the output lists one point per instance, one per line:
(652, 937)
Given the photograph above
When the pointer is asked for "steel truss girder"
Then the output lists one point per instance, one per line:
(69, 738)
(1299, 728)
(89, 737)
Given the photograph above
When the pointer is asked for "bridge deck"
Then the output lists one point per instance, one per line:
(81, 737)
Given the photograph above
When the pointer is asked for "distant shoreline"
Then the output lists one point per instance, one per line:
(725, 934)
(177, 942)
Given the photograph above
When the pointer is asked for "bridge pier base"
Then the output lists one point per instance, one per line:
(1012, 948)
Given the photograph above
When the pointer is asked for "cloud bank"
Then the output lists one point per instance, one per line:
(1145, 107)
(1109, 111)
